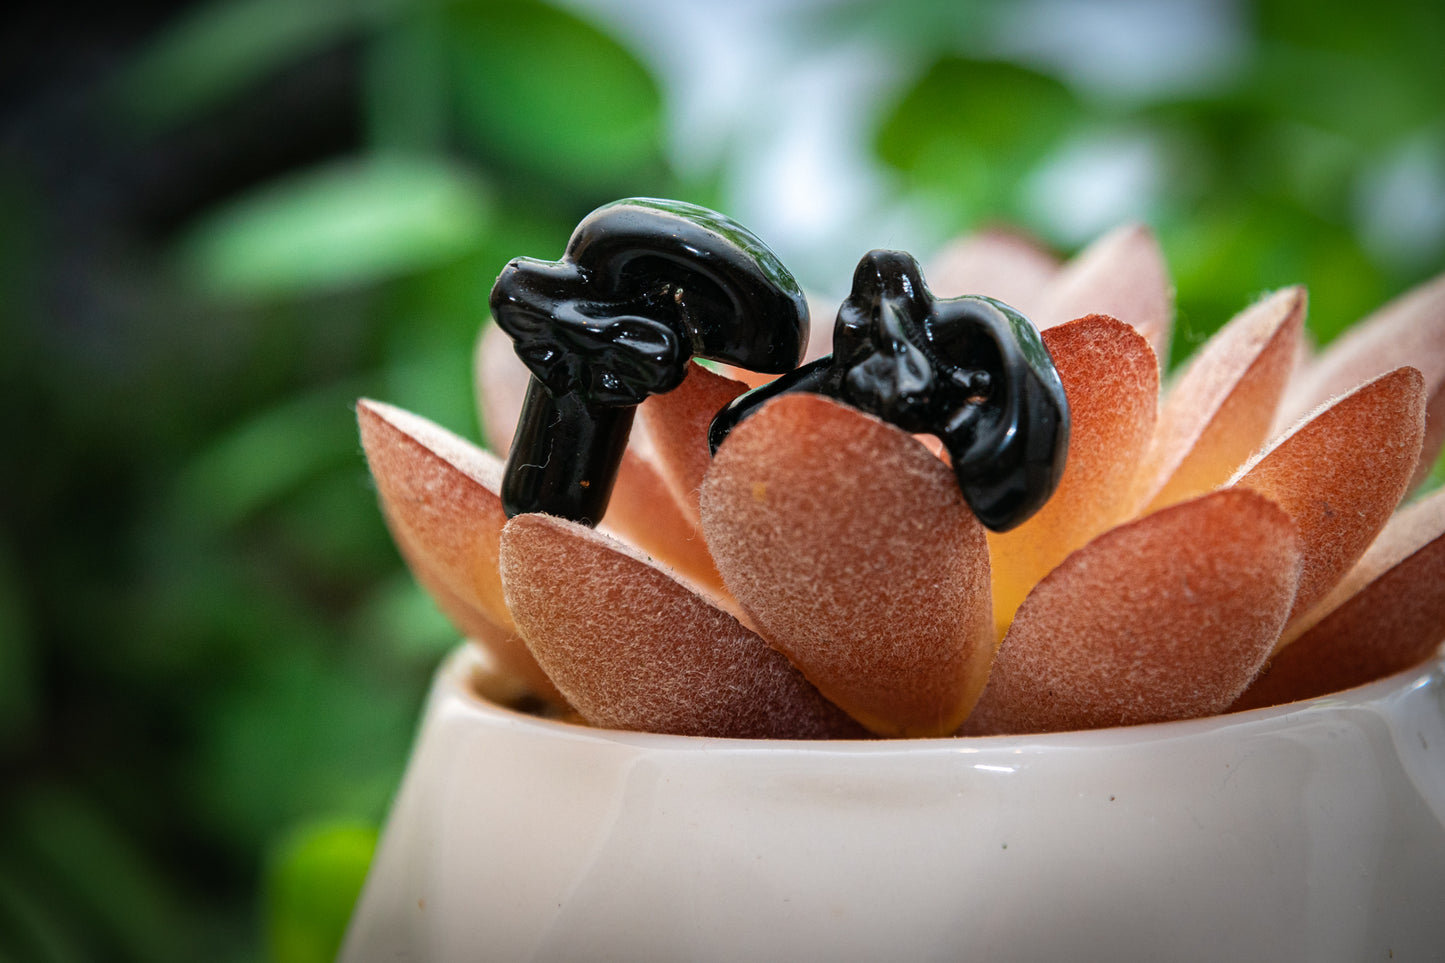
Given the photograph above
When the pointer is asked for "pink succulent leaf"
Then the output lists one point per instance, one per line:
(439, 496)
(997, 264)
(632, 648)
(1387, 615)
(1408, 331)
(873, 582)
(1219, 410)
(1111, 380)
(1123, 275)
(1167, 617)
(1342, 473)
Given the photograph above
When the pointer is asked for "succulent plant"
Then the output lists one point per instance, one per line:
(1234, 545)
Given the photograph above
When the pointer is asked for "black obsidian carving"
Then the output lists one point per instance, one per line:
(644, 286)
(971, 370)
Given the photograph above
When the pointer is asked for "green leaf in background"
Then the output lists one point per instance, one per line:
(405, 93)
(968, 132)
(312, 881)
(348, 223)
(267, 456)
(307, 732)
(916, 26)
(18, 696)
(543, 90)
(399, 618)
(32, 928)
(1224, 256)
(92, 875)
(222, 47)
(1369, 71)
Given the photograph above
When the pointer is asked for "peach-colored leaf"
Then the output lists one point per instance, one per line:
(1408, 331)
(501, 382)
(439, 496)
(1168, 617)
(644, 512)
(851, 549)
(1340, 475)
(822, 316)
(677, 423)
(1387, 615)
(632, 648)
(1219, 411)
(1123, 275)
(512, 662)
(1111, 380)
(995, 263)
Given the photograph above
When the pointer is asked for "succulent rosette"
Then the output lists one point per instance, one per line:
(1227, 540)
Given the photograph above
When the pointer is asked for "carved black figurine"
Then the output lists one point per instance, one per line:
(644, 286)
(971, 370)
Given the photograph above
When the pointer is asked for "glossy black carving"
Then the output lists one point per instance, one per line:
(644, 286)
(971, 370)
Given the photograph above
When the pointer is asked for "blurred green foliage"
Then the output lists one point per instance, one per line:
(312, 880)
(1262, 175)
(209, 651)
(359, 222)
(966, 128)
(211, 659)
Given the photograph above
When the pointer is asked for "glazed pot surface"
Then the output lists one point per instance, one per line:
(1313, 831)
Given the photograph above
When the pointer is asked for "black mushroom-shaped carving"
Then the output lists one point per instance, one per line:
(971, 370)
(644, 286)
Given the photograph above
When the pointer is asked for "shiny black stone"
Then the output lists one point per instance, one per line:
(970, 370)
(644, 286)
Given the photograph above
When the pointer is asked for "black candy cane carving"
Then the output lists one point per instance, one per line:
(644, 286)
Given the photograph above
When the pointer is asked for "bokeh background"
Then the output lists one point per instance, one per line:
(221, 223)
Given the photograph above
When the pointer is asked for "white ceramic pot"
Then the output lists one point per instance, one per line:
(1314, 831)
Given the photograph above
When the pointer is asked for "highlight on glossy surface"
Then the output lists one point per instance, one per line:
(1218, 411)
(849, 547)
(631, 648)
(1111, 379)
(644, 286)
(1168, 617)
(1386, 615)
(1340, 475)
(970, 371)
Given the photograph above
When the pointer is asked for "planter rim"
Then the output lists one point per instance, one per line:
(454, 685)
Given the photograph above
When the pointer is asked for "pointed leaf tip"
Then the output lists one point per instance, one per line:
(1387, 615)
(1111, 379)
(1123, 275)
(1342, 473)
(1219, 411)
(1410, 330)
